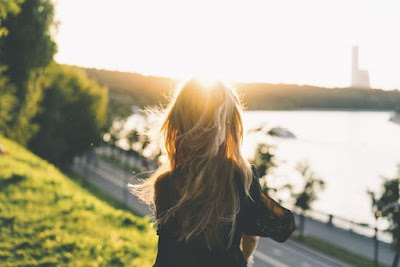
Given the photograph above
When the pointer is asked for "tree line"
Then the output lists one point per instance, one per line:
(55, 110)
(150, 90)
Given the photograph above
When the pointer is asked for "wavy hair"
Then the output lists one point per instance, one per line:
(201, 136)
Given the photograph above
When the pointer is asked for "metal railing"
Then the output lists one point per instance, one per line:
(129, 159)
(360, 228)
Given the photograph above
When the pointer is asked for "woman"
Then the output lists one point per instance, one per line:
(208, 198)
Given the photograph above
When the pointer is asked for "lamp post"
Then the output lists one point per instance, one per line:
(376, 245)
(378, 214)
(389, 207)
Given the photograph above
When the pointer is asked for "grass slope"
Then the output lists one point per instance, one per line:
(48, 219)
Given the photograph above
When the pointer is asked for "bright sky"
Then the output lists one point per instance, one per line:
(300, 41)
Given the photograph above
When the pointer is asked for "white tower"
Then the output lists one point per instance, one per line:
(359, 78)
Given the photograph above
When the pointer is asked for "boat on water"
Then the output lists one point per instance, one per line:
(281, 132)
(395, 117)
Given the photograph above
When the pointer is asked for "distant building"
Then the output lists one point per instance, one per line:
(359, 78)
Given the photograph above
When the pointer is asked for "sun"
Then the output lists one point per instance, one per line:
(207, 81)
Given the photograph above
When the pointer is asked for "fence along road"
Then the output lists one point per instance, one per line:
(113, 181)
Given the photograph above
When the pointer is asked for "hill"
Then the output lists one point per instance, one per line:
(49, 219)
(150, 90)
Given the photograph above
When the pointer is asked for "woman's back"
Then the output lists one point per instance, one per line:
(263, 217)
(205, 193)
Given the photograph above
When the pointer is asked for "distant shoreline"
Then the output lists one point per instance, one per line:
(312, 109)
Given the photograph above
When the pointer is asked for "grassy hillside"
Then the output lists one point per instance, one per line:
(48, 219)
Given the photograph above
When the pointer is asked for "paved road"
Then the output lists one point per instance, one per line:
(353, 242)
(271, 253)
(113, 181)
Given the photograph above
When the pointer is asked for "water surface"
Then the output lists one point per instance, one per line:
(350, 150)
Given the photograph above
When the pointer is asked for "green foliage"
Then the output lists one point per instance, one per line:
(291, 97)
(387, 205)
(383, 205)
(264, 161)
(138, 141)
(115, 132)
(72, 117)
(26, 51)
(119, 107)
(47, 219)
(143, 90)
(312, 186)
(29, 44)
(21, 128)
(7, 7)
(137, 138)
(73, 111)
(7, 102)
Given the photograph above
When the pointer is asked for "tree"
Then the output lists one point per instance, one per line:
(114, 133)
(29, 44)
(312, 186)
(7, 7)
(119, 108)
(265, 162)
(7, 89)
(7, 102)
(387, 205)
(264, 158)
(26, 51)
(72, 117)
(138, 141)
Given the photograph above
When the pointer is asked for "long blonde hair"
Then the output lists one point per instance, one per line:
(201, 133)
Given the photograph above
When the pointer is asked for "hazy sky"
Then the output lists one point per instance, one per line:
(300, 41)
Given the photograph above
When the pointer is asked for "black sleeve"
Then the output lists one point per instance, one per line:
(266, 218)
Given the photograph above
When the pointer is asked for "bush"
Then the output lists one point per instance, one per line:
(73, 114)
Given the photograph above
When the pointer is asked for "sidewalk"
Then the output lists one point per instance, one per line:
(113, 180)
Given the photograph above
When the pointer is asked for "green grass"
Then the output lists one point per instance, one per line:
(49, 219)
(335, 251)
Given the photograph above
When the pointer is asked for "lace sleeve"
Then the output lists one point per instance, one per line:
(266, 218)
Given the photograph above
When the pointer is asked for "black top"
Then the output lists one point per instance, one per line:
(263, 217)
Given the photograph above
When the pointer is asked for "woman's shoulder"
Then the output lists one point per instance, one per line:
(164, 192)
(238, 174)
(163, 182)
(254, 186)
